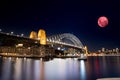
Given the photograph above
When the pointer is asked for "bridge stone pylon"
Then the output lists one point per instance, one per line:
(33, 35)
(40, 36)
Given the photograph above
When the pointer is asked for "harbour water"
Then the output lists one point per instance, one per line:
(59, 68)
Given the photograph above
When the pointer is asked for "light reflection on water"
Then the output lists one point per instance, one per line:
(82, 70)
(59, 69)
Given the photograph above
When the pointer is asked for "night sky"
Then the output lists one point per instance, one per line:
(78, 17)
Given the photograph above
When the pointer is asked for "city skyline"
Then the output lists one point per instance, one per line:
(76, 17)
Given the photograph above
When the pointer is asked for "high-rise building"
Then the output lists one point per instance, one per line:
(103, 49)
(117, 50)
(114, 50)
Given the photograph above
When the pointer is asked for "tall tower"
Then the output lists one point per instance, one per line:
(42, 36)
(33, 35)
(86, 50)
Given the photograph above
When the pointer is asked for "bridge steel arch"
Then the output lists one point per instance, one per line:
(60, 37)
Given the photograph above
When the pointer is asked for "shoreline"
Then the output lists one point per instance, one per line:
(103, 54)
(35, 56)
(52, 56)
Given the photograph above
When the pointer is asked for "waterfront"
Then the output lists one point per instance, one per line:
(59, 69)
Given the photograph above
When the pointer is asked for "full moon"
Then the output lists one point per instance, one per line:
(102, 21)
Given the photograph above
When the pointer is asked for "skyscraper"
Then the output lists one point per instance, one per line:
(103, 49)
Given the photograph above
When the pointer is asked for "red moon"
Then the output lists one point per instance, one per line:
(103, 21)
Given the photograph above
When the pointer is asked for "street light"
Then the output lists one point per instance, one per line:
(18, 35)
(22, 35)
(7, 33)
(11, 33)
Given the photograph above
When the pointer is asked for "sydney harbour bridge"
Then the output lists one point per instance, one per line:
(39, 44)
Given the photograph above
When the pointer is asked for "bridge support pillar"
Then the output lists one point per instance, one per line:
(42, 36)
(86, 50)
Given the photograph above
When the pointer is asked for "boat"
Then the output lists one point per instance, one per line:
(82, 57)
